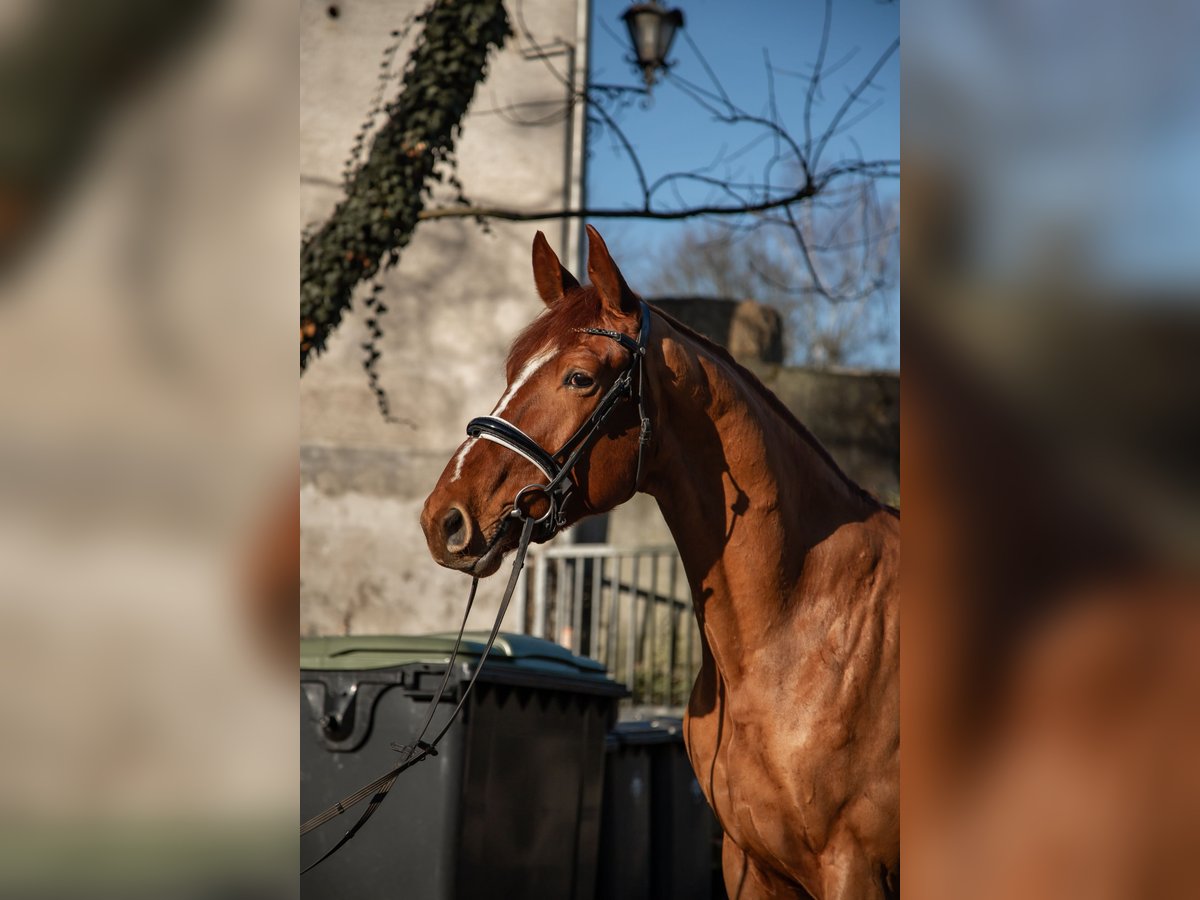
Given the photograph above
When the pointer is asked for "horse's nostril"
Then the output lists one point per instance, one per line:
(454, 526)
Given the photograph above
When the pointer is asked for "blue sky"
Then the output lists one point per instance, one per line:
(672, 133)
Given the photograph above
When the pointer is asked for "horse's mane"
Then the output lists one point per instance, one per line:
(585, 309)
(776, 405)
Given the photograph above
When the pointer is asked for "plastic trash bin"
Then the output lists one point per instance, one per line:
(624, 871)
(510, 806)
(657, 830)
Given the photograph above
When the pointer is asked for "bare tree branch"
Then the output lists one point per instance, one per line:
(831, 241)
(814, 83)
(739, 198)
(516, 215)
(852, 98)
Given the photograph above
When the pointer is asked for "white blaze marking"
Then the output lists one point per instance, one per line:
(523, 376)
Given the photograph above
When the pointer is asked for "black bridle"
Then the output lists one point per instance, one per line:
(557, 491)
(559, 484)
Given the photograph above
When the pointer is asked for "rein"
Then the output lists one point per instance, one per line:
(557, 491)
(421, 749)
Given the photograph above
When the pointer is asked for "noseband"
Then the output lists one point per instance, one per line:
(559, 485)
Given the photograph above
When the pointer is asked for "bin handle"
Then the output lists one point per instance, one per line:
(342, 719)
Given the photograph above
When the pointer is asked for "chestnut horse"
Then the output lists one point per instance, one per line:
(793, 723)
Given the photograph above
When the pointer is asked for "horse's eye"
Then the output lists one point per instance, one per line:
(580, 380)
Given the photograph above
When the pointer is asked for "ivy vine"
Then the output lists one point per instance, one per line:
(388, 189)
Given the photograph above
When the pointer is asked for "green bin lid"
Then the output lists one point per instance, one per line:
(386, 651)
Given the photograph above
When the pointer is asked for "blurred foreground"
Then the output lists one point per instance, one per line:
(148, 260)
(1049, 464)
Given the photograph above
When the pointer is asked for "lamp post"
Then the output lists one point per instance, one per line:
(652, 28)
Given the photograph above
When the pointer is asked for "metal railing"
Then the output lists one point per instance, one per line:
(630, 609)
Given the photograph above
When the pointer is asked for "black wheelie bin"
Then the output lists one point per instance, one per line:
(510, 805)
(658, 832)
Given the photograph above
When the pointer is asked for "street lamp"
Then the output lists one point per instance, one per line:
(651, 29)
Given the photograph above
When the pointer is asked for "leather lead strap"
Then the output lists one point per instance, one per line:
(420, 750)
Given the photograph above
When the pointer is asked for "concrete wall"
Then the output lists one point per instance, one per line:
(856, 415)
(749, 329)
(456, 300)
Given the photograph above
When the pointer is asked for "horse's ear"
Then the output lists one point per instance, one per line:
(607, 278)
(551, 278)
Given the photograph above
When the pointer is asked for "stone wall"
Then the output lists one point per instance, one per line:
(456, 300)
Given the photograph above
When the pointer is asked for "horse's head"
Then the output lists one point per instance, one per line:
(569, 420)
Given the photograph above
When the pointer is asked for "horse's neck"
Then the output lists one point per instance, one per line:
(753, 505)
